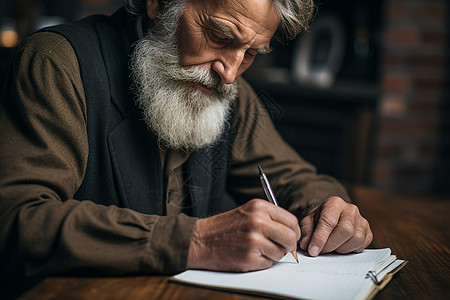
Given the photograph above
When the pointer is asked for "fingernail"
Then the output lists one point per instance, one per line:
(313, 250)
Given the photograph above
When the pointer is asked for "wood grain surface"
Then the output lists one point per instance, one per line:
(415, 227)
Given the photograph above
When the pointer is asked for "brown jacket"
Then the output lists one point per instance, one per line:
(43, 158)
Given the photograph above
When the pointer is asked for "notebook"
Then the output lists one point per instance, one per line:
(328, 276)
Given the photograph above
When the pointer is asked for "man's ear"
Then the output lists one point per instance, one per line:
(152, 9)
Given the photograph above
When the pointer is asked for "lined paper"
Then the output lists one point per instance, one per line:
(329, 276)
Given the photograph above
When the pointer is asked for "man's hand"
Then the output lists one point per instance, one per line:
(250, 237)
(335, 226)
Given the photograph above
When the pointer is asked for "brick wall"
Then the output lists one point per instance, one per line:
(412, 150)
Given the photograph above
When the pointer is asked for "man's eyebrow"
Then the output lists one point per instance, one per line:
(224, 28)
(264, 50)
(229, 33)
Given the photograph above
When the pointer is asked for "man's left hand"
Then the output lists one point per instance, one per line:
(335, 226)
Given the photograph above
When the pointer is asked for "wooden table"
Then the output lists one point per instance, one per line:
(416, 228)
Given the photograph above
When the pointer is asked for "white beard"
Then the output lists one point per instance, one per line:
(181, 115)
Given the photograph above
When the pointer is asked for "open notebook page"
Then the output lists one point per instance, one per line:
(329, 276)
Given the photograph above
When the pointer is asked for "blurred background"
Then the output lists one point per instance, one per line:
(364, 94)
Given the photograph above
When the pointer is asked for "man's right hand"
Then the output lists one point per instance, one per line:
(250, 237)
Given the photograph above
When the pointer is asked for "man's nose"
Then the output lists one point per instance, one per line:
(227, 65)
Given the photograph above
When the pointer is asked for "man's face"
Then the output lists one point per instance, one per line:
(184, 69)
(224, 36)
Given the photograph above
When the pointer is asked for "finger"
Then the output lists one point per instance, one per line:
(281, 227)
(276, 224)
(327, 222)
(347, 232)
(343, 237)
(285, 238)
(369, 239)
(360, 240)
(286, 218)
(247, 252)
(307, 226)
(272, 250)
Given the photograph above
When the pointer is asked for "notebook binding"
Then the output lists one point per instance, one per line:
(373, 276)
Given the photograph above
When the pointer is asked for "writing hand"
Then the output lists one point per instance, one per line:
(335, 226)
(250, 237)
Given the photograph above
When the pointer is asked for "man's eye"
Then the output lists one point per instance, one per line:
(218, 38)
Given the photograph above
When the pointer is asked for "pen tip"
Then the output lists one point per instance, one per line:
(260, 170)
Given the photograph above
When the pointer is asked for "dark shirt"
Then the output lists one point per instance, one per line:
(43, 157)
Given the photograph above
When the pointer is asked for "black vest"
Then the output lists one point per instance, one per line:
(124, 166)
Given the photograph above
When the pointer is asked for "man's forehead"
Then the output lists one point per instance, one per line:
(238, 18)
(263, 48)
(259, 13)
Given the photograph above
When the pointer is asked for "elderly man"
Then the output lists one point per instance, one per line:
(130, 143)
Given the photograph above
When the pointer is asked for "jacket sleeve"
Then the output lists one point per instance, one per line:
(295, 181)
(43, 159)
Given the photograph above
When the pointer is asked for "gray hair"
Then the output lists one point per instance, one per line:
(295, 15)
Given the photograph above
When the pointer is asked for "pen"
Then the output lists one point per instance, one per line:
(270, 196)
